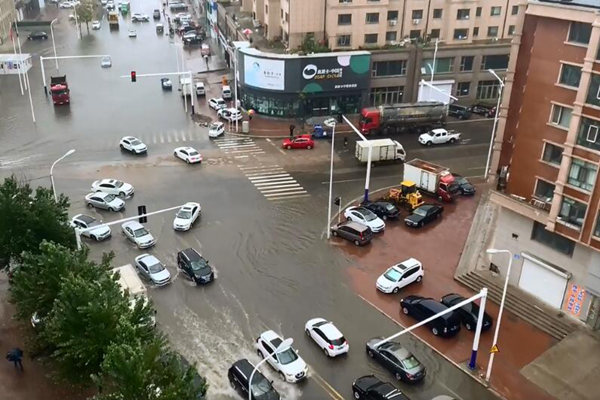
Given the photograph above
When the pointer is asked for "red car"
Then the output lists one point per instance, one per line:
(299, 142)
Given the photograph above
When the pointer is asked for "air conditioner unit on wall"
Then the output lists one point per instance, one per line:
(392, 22)
(416, 21)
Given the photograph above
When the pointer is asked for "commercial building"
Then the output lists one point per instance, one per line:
(547, 154)
(7, 16)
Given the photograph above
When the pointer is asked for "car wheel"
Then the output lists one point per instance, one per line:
(309, 147)
(122, 147)
(356, 395)
(307, 332)
(334, 233)
(122, 194)
(175, 154)
(398, 376)
(452, 140)
(90, 205)
(419, 279)
(435, 331)
(187, 161)
(370, 353)
(405, 310)
(396, 290)
(260, 354)
(112, 209)
(468, 326)
(348, 219)
(356, 242)
(440, 198)
(326, 352)
(93, 237)
(289, 147)
(428, 143)
(421, 224)
(282, 376)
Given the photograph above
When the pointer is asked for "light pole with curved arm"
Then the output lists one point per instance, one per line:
(283, 346)
(68, 153)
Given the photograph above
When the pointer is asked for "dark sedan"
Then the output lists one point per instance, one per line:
(465, 187)
(195, 266)
(422, 308)
(370, 387)
(37, 36)
(423, 215)
(383, 209)
(487, 111)
(469, 313)
(397, 360)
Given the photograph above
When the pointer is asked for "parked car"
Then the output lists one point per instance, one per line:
(423, 215)
(188, 154)
(459, 111)
(469, 313)
(91, 227)
(192, 39)
(299, 142)
(400, 275)
(106, 62)
(230, 114)
(38, 35)
(137, 17)
(113, 186)
(166, 84)
(194, 266)
(396, 359)
(105, 201)
(226, 92)
(133, 145)
(355, 232)
(383, 209)
(327, 337)
(365, 217)
(66, 4)
(370, 387)
(200, 91)
(216, 129)
(465, 187)
(156, 14)
(186, 216)
(290, 366)
(132, 33)
(422, 308)
(486, 110)
(216, 103)
(152, 269)
(96, 25)
(135, 232)
(239, 378)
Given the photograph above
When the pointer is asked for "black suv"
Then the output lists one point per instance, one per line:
(383, 209)
(422, 308)
(37, 36)
(370, 387)
(353, 231)
(195, 266)
(486, 110)
(239, 376)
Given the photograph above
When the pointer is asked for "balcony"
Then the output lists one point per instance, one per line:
(534, 209)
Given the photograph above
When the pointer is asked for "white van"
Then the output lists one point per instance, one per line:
(226, 92)
(200, 89)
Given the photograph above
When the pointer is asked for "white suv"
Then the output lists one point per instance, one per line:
(288, 363)
(399, 275)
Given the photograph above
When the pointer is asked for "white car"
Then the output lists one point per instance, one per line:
(132, 33)
(94, 229)
(105, 201)
(217, 103)
(113, 186)
(133, 144)
(137, 17)
(288, 363)
(200, 90)
(103, 2)
(152, 269)
(188, 154)
(327, 336)
(66, 4)
(136, 232)
(365, 217)
(96, 25)
(186, 216)
(106, 62)
(216, 129)
(230, 114)
(400, 275)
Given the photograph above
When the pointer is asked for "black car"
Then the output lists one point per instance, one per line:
(190, 40)
(423, 214)
(422, 308)
(458, 111)
(357, 233)
(37, 36)
(239, 376)
(369, 387)
(156, 14)
(397, 360)
(195, 266)
(464, 186)
(469, 313)
(383, 209)
(486, 110)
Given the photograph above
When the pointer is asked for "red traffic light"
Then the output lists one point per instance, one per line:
(133, 78)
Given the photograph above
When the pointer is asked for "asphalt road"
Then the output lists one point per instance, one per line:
(274, 270)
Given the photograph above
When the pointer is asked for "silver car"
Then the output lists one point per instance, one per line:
(138, 234)
(91, 227)
(152, 269)
(105, 201)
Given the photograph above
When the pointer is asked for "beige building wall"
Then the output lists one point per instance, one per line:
(258, 9)
(305, 17)
(271, 19)
(7, 15)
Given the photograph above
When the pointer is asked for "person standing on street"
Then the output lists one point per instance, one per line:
(15, 356)
(292, 127)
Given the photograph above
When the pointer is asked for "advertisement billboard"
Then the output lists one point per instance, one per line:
(334, 72)
(264, 73)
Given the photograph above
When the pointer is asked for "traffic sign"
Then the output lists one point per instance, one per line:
(494, 349)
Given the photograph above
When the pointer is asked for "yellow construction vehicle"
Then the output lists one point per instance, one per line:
(407, 196)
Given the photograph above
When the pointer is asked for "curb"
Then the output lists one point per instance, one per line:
(269, 136)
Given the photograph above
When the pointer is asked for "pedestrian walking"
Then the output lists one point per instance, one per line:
(292, 127)
(345, 141)
(15, 356)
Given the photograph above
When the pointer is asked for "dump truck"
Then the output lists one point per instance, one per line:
(113, 20)
(432, 179)
(59, 90)
(404, 117)
(383, 150)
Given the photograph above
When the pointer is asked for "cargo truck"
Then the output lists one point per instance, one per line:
(132, 285)
(405, 117)
(113, 20)
(432, 179)
(59, 90)
(383, 150)
(186, 86)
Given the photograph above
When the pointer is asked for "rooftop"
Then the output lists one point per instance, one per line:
(580, 3)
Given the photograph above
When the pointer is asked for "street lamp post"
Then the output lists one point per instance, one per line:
(487, 163)
(68, 153)
(77, 27)
(53, 43)
(283, 346)
(434, 57)
(495, 341)
(330, 183)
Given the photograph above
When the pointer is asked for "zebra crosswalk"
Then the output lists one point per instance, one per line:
(274, 182)
(238, 147)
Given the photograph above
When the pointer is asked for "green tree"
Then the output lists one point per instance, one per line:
(310, 45)
(86, 10)
(27, 218)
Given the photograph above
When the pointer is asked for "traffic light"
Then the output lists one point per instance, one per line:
(133, 78)
(142, 211)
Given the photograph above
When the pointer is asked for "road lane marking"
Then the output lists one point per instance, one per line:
(288, 197)
(265, 178)
(261, 167)
(285, 194)
(260, 185)
(260, 173)
(240, 156)
(282, 189)
(162, 139)
(362, 179)
(334, 394)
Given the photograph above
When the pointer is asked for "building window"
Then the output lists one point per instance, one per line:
(552, 154)
(492, 31)
(495, 62)
(414, 34)
(435, 33)
(345, 1)
(442, 65)
(344, 19)
(488, 89)
(515, 10)
(597, 230)
(476, 31)
(437, 13)
(572, 212)
(466, 63)
(561, 116)
(386, 95)
(544, 191)
(570, 75)
(463, 89)
(266, 8)
(582, 174)
(511, 30)
(389, 68)
(343, 40)
(371, 38)
(461, 34)
(372, 18)
(495, 11)
(579, 32)
(551, 239)
(478, 12)
(417, 14)
(588, 134)
(392, 16)
(390, 36)
(593, 95)
(463, 13)
(287, 17)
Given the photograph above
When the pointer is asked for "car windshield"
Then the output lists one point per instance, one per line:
(193, 153)
(118, 184)
(184, 214)
(199, 265)
(288, 356)
(421, 212)
(339, 341)
(154, 268)
(140, 232)
(410, 362)
(390, 207)
(135, 142)
(369, 216)
(109, 198)
(392, 275)
(93, 223)
(260, 385)
(214, 126)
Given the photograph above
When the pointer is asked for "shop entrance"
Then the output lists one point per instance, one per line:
(317, 106)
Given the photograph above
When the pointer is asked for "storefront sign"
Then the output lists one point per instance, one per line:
(335, 72)
(264, 73)
(575, 299)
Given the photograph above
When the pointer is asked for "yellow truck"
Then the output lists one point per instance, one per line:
(113, 20)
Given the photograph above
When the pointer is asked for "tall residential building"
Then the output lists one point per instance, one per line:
(7, 15)
(547, 154)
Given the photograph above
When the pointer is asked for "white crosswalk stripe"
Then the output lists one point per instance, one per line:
(274, 182)
(238, 146)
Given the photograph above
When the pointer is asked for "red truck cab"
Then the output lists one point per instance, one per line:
(369, 120)
(448, 189)
(59, 89)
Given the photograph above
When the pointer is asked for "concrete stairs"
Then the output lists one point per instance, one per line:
(552, 321)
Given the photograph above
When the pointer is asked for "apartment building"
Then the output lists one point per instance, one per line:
(7, 15)
(547, 154)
